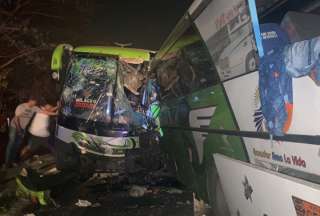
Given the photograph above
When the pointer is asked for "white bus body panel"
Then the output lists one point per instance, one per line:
(268, 193)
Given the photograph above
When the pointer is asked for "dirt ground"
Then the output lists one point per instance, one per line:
(101, 195)
(119, 202)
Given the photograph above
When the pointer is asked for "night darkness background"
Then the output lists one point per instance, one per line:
(145, 23)
(30, 30)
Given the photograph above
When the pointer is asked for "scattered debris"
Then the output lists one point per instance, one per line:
(137, 191)
(7, 198)
(83, 203)
(183, 203)
(180, 203)
(102, 190)
(86, 203)
(174, 191)
(96, 205)
(200, 208)
(156, 190)
(17, 207)
(51, 171)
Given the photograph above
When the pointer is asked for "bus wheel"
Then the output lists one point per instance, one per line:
(251, 61)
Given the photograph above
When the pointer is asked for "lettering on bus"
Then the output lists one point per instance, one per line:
(269, 35)
(201, 118)
(262, 154)
(84, 103)
(285, 158)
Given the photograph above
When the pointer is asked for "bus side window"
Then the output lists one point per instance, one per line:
(201, 65)
(188, 79)
(168, 77)
(187, 66)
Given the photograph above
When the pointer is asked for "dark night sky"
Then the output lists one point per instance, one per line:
(145, 23)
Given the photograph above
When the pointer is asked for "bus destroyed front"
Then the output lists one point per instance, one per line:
(98, 114)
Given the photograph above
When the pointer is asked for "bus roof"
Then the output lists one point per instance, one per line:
(176, 45)
(130, 55)
(118, 51)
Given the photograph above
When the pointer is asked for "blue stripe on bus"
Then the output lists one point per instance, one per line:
(256, 27)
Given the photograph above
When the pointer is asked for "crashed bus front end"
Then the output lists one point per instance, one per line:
(105, 107)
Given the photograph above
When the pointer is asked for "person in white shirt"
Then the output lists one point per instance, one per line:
(18, 125)
(39, 130)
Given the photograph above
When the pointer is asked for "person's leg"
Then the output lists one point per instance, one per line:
(11, 145)
(17, 146)
(36, 145)
(30, 148)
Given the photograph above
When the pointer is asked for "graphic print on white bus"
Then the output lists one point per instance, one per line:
(226, 29)
(303, 157)
(200, 118)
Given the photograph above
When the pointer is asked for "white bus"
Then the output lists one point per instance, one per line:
(214, 130)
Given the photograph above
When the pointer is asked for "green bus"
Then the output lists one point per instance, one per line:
(105, 105)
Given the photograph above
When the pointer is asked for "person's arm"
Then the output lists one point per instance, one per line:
(50, 113)
(54, 109)
(36, 109)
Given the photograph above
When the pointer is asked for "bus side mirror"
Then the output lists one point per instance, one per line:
(57, 61)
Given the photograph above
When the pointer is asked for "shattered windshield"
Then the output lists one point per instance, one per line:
(94, 92)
